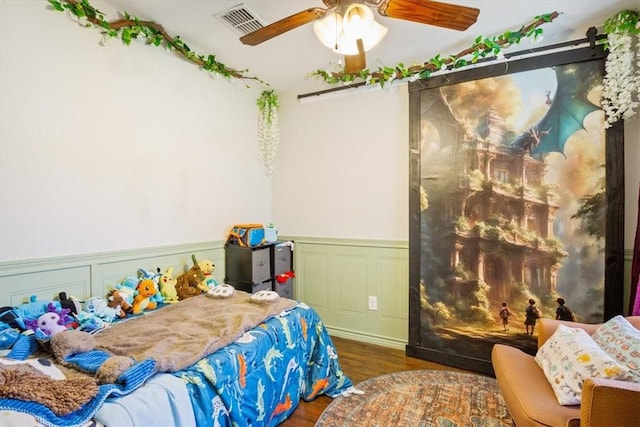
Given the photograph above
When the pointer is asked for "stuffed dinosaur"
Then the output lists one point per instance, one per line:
(155, 276)
(142, 301)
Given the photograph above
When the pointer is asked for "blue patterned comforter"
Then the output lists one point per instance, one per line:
(259, 379)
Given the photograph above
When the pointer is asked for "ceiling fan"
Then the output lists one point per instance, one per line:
(339, 14)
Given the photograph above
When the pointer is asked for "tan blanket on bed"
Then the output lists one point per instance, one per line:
(178, 335)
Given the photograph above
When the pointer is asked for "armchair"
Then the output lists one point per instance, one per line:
(531, 400)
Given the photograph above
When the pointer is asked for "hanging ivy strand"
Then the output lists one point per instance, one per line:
(268, 133)
(481, 48)
(129, 28)
(621, 82)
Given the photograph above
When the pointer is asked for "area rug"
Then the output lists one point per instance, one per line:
(420, 399)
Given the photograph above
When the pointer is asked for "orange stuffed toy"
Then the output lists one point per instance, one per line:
(146, 289)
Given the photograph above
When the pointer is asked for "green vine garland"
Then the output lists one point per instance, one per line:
(481, 48)
(128, 28)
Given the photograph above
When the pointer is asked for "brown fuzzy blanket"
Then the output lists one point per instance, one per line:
(179, 335)
(24, 382)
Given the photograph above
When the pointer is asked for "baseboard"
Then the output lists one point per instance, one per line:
(367, 338)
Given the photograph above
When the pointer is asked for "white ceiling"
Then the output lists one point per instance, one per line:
(285, 61)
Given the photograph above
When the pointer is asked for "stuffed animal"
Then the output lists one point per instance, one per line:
(128, 288)
(144, 274)
(155, 276)
(89, 322)
(189, 283)
(8, 336)
(71, 304)
(207, 267)
(116, 299)
(142, 301)
(100, 307)
(168, 286)
(50, 323)
(32, 310)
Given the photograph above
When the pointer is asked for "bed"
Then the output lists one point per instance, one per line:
(201, 362)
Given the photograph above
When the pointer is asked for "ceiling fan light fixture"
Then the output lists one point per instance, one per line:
(329, 29)
(374, 35)
(332, 32)
(349, 46)
(357, 20)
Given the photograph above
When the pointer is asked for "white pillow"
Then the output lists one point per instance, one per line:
(569, 357)
(620, 340)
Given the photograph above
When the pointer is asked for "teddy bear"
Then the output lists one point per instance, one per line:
(146, 289)
(189, 283)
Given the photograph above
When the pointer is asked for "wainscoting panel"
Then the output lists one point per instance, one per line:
(44, 285)
(336, 278)
(351, 270)
(315, 275)
(84, 276)
(392, 279)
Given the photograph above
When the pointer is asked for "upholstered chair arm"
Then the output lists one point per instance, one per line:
(607, 403)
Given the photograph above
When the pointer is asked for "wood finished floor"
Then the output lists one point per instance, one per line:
(360, 361)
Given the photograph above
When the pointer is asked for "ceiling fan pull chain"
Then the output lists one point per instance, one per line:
(337, 32)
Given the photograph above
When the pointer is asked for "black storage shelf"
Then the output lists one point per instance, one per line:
(252, 269)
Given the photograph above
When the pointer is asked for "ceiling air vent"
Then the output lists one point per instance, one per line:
(240, 19)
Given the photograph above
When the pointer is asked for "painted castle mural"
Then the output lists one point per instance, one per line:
(511, 205)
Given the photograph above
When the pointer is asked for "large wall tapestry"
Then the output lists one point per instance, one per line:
(516, 194)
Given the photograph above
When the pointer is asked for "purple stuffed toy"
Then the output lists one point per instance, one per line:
(53, 321)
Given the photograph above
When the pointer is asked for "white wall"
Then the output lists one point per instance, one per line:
(111, 147)
(342, 170)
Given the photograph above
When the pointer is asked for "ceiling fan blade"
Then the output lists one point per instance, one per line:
(282, 26)
(436, 13)
(356, 63)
